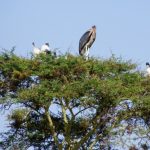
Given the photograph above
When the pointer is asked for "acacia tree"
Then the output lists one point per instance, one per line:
(70, 103)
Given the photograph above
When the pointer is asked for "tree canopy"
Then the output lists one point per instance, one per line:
(70, 103)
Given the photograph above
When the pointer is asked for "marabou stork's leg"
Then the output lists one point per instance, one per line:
(86, 52)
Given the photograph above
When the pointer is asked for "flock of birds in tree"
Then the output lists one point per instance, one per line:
(85, 42)
(44, 49)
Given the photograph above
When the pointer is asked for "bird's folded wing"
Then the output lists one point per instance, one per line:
(84, 39)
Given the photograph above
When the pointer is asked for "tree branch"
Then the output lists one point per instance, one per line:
(52, 128)
(94, 142)
(95, 126)
(67, 126)
(83, 110)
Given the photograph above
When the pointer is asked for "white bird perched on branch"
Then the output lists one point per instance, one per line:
(36, 50)
(86, 42)
(148, 69)
(45, 48)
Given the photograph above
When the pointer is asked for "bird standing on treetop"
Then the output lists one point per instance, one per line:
(36, 50)
(86, 42)
(148, 68)
(45, 48)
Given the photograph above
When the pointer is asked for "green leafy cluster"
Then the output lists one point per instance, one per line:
(71, 83)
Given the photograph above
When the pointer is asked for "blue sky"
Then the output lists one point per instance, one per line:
(123, 27)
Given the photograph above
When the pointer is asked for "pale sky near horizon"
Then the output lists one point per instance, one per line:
(123, 27)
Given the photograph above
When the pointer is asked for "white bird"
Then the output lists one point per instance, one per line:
(36, 50)
(148, 69)
(45, 48)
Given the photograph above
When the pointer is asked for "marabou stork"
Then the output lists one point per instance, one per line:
(86, 42)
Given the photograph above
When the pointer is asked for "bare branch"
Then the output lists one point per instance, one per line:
(52, 128)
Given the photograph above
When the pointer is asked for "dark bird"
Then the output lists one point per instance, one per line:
(86, 42)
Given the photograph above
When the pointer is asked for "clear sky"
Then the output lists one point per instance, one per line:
(123, 26)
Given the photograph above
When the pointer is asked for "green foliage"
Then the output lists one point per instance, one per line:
(18, 117)
(85, 94)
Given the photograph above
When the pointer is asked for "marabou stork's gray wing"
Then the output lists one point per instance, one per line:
(92, 38)
(84, 39)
